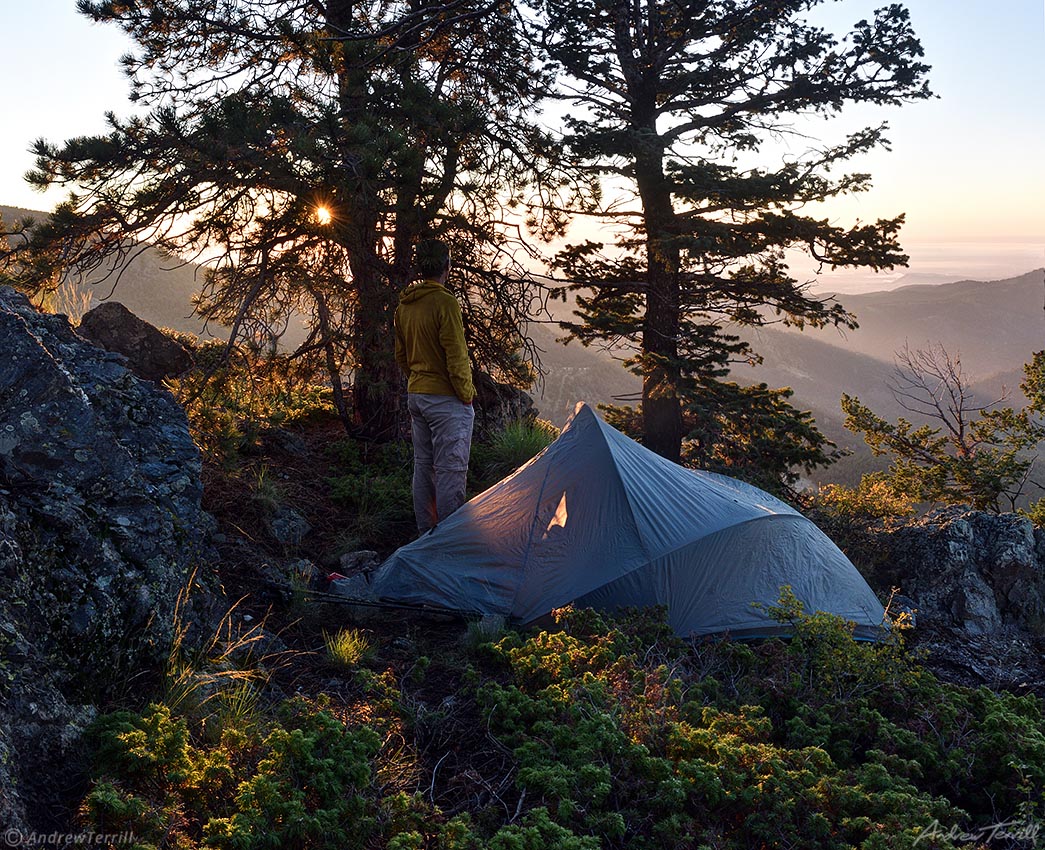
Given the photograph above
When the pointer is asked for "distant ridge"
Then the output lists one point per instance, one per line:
(158, 288)
(995, 326)
(918, 278)
(11, 213)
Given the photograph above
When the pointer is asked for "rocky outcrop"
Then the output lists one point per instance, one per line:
(150, 353)
(498, 405)
(100, 527)
(964, 569)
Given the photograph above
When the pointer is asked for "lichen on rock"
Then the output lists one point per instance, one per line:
(100, 528)
(966, 569)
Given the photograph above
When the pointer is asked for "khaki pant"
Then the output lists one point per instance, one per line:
(442, 435)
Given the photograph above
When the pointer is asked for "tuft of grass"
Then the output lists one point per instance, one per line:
(216, 681)
(509, 449)
(348, 648)
(489, 629)
(70, 298)
(520, 441)
(265, 491)
(235, 705)
(300, 603)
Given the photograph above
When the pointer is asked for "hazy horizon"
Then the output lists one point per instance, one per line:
(939, 262)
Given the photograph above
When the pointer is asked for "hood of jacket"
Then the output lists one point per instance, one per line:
(417, 291)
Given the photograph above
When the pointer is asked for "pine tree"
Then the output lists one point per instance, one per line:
(673, 100)
(300, 149)
(957, 448)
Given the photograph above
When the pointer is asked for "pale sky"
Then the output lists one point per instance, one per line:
(966, 168)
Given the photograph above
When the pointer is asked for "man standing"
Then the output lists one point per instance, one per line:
(431, 351)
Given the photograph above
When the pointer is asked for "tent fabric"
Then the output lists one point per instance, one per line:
(598, 520)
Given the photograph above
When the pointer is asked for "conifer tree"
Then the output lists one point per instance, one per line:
(674, 103)
(956, 448)
(300, 148)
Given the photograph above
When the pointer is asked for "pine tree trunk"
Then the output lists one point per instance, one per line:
(378, 383)
(661, 409)
(376, 387)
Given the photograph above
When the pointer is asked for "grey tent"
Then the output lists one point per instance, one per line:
(600, 521)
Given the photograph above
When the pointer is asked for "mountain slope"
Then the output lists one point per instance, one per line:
(154, 286)
(993, 325)
(575, 373)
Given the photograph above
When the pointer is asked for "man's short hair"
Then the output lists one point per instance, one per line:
(431, 257)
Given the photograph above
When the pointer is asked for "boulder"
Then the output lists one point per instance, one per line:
(150, 353)
(965, 569)
(497, 405)
(287, 577)
(361, 561)
(100, 529)
(287, 526)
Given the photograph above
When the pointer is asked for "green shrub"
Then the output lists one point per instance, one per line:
(230, 402)
(305, 784)
(827, 741)
(1035, 512)
(152, 781)
(373, 485)
(309, 790)
(874, 498)
(416, 826)
(608, 733)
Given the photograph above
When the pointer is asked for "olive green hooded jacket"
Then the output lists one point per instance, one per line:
(429, 344)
